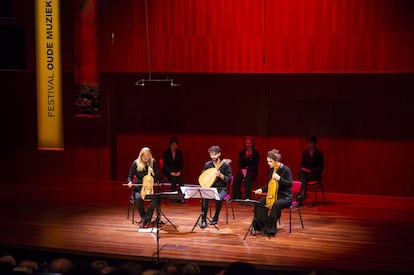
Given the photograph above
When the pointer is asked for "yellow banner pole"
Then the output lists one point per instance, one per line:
(49, 75)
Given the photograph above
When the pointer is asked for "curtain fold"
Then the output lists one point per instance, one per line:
(87, 103)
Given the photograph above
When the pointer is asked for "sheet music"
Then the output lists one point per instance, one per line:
(200, 192)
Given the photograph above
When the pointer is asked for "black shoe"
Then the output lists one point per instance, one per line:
(269, 232)
(214, 221)
(257, 226)
(145, 225)
(203, 224)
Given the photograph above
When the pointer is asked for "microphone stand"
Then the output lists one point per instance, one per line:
(158, 221)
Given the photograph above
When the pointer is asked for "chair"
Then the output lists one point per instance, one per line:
(227, 199)
(295, 207)
(315, 186)
(131, 207)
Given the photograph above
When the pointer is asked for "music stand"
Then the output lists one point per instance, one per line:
(255, 204)
(202, 193)
(158, 196)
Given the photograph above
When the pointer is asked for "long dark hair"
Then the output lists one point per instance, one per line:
(173, 140)
(248, 138)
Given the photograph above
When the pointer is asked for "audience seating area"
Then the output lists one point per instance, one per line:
(26, 261)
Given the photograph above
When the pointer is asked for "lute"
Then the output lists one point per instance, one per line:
(208, 177)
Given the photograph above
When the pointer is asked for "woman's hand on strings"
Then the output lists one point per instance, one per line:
(258, 191)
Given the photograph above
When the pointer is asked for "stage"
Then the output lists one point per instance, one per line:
(350, 233)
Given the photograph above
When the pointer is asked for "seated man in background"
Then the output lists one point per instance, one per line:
(311, 166)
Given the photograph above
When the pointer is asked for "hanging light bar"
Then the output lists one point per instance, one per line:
(143, 82)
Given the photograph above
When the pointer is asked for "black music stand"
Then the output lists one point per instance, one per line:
(254, 203)
(158, 196)
(202, 193)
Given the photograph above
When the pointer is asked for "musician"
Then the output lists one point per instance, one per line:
(282, 175)
(311, 166)
(144, 166)
(248, 166)
(173, 163)
(223, 176)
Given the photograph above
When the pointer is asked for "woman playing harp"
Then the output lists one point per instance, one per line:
(282, 176)
(142, 169)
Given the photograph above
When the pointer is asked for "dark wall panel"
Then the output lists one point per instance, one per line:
(12, 47)
(332, 105)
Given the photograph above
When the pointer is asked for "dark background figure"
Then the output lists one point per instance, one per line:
(311, 166)
(191, 268)
(239, 268)
(173, 164)
(282, 174)
(248, 166)
(222, 177)
(145, 164)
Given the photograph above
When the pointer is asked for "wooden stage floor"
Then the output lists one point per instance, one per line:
(350, 233)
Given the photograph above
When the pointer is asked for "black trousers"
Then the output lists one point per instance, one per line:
(265, 219)
(146, 215)
(205, 202)
(248, 184)
(176, 182)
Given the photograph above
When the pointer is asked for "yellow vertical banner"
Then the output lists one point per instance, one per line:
(49, 75)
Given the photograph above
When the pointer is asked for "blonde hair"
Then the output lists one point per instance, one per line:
(140, 163)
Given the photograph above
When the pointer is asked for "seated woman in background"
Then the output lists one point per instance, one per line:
(248, 166)
(173, 164)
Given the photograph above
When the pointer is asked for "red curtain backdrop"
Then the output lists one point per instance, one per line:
(86, 59)
(258, 35)
(363, 119)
